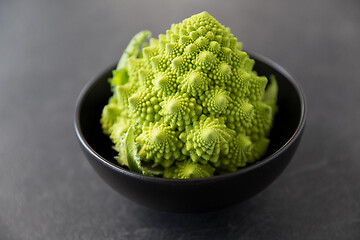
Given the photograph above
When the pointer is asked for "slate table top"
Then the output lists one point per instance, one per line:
(50, 49)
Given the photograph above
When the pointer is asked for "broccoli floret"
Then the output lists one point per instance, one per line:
(189, 104)
(189, 169)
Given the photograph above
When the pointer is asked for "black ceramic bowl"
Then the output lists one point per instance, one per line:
(193, 195)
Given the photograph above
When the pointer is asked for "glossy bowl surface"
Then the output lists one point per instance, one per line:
(194, 195)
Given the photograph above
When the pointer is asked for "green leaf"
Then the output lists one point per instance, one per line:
(271, 93)
(133, 48)
(131, 153)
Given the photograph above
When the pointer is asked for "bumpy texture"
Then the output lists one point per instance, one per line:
(189, 103)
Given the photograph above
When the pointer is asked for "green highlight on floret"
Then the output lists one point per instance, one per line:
(188, 104)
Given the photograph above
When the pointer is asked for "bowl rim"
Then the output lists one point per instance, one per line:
(274, 155)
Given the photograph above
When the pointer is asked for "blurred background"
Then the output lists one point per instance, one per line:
(50, 49)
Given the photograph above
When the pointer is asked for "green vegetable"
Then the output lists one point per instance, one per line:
(188, 104)
(133, 158)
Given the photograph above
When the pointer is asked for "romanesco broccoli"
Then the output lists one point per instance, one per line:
(188, 104)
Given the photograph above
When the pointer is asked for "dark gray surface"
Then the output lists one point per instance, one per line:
(50, 49)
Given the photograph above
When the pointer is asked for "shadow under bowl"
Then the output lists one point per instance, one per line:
(193, 195)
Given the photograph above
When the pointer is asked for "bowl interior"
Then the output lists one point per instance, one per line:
(287, 121)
